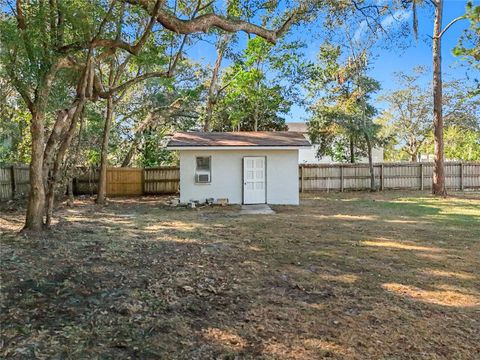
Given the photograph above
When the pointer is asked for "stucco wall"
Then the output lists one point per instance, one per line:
(227, 175)
(309, 156)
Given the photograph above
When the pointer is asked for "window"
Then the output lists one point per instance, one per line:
(203, 163)
(203, 172)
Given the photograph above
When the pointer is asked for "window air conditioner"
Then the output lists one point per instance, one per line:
(202, 177)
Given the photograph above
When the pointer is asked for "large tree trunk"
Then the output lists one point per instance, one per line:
(212, 97)
(438, 187)
(102, 180)
(352, 150)
(58, 165)
(373, 187)
(36, 200)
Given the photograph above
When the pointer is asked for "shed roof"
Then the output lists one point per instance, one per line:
(238, 139)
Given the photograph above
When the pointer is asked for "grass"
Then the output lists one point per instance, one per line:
(343, 276)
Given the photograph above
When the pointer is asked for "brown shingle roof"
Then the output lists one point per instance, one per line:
(233, 139)
(297, 126)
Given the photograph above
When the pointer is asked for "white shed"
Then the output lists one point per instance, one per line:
(244, 167)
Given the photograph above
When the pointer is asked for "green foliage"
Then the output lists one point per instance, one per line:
(469, 43)
(14, 126)
(468, 46)
(459, 144)
(408, 120)
(15, 138)
(153, 152)
(342, 112)
(254, 91)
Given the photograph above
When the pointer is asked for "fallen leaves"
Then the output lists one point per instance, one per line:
(337, 277)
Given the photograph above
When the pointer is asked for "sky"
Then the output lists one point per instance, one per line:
(387, 61)
(391, 60)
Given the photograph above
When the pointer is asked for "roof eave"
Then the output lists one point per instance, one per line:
(253, 147)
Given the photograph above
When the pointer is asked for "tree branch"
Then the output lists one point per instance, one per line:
(20, 16)
(450, 24)
(126, 84)
(205, 22)
(116, 43)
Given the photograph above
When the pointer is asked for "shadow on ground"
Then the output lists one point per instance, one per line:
(343, 276)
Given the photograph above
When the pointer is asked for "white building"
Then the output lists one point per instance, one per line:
(309, 155)
(243, 167)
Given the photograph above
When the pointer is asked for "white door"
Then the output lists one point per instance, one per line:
(254, 185)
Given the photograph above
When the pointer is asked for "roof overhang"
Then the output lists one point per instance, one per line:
(216, 148)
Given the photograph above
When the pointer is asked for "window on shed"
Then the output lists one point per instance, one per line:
(203, 171)
(203, 163)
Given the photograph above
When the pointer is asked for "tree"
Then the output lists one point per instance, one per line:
(468, 46)
(46, 43)
(460, 144)
(409, 112)
(438, 187)
(14, 136)
(342, 109)
(408, 120)
(213, 91)
(249, 100)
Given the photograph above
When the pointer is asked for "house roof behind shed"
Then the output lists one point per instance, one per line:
(238, 139)
(297, 126)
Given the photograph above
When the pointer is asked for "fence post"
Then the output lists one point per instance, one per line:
(461, 176)
(381, 178)
(421, 176)
(13, 181)
(301, 178)
(341, 178)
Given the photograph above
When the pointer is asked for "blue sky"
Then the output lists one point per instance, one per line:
(391, 60)
(388, 60)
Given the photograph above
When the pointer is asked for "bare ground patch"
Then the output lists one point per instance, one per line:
(343, 276)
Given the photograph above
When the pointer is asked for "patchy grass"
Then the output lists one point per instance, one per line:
(343, 276)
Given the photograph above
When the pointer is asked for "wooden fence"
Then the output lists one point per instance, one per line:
(14, 181)
(162, 180)
(408, 176)
(124, 181)
(131, 181)
(318, 177)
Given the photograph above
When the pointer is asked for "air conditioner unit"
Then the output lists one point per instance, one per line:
(202, 177)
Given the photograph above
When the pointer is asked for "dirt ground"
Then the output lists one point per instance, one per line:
(343, 276)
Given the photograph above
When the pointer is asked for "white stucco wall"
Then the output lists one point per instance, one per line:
(309, 156)
(227, 175)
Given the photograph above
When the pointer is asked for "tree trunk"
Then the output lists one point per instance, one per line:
(36, 200)
(370, 164)
(352, 150)
(413, 157)
(438, 187)
(50, 202)
(213, 83)
(208, 114)
(102, 180)
(128, 158)
(58, 164)
(71, 196)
